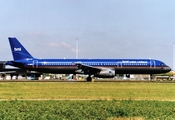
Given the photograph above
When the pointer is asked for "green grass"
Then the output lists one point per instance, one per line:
(83, 90)
(97, 101)
(87, 110)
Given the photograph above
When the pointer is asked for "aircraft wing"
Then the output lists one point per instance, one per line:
(88, 69)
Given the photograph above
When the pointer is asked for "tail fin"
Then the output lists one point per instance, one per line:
(18, 51)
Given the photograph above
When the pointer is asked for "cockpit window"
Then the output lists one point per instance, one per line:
(162, 64)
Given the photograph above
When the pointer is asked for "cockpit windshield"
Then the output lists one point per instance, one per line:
(162, 64)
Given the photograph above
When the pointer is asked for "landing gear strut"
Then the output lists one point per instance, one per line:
(151, 78)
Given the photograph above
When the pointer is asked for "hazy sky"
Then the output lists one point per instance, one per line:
(105, 28)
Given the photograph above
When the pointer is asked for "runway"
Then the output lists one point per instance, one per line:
(106, 80)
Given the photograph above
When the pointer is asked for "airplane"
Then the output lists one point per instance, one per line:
(102, 68)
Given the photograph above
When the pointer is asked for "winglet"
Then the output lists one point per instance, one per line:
(18, 51)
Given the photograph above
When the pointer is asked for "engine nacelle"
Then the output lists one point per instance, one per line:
(105, 73)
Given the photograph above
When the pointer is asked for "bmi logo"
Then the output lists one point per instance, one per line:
(17, 49)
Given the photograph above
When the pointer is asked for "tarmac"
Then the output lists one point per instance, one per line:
(106, 80)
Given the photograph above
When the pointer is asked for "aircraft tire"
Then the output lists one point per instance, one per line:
(89, 79)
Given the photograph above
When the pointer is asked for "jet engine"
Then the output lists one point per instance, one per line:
(105, 73)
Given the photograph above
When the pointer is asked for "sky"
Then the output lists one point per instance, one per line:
(103, 28)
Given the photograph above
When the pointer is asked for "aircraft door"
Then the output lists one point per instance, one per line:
(119, 64)
(35, 64)
(152, 64)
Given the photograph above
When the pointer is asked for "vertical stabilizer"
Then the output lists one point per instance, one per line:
(18, 51)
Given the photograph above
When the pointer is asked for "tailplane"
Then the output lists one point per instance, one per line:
(18, 51)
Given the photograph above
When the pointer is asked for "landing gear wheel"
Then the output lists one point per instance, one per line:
(89, 79)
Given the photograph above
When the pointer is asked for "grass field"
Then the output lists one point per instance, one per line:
(92, 91)
(82, 100)
(87, 110)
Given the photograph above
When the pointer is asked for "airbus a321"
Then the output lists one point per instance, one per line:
(102, 68)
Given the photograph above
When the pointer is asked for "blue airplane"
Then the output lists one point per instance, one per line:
(102, 68)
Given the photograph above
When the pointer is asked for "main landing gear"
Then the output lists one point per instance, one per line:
(89, 79)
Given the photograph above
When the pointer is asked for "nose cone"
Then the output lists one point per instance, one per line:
(167, 69)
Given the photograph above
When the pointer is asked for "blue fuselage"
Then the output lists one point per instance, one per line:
(69, 66)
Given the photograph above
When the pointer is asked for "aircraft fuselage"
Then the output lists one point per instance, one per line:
(120, 66)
